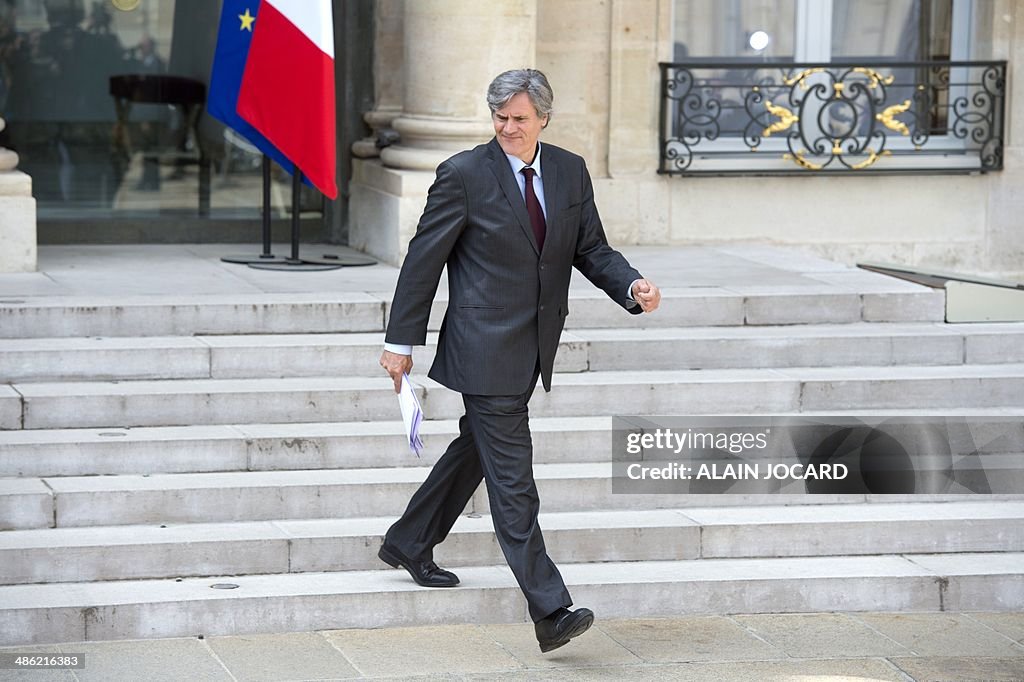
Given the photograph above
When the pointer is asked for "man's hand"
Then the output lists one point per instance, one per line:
(646, 294)
(396, 365)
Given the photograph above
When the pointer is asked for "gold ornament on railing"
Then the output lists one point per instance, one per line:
(800, 158)
(875, 76)
(888, 117)
(786, 119)
(801, 77)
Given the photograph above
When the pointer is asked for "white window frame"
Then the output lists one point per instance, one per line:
(813, 31)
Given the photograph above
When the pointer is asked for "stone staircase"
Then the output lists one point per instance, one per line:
(182, 465)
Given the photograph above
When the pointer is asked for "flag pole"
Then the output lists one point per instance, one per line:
(266, 256)
(266, 208)
(296, 205)
(295, 263)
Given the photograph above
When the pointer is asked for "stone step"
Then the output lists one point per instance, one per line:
(25, 503)
(216, 357)
(10, 408)
(161, 315)
(126, 609)
(300, 313)
(76, 501)
(43, 453)
(356, 354)
(309, 545)
(263, 495)
(818, 345)
(58, 405)
(881, 301)
(268, 447)
(270, 495)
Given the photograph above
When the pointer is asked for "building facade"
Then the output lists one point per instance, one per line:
(947, 191)
(864, 130)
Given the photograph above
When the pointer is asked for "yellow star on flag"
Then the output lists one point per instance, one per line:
(247, 20)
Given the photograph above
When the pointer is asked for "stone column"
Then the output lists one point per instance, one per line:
(452, 50)
(388, 77)
(17, 216)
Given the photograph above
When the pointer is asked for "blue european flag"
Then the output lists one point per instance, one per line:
(237, 20)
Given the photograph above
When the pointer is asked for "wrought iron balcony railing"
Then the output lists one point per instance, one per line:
(779, 118)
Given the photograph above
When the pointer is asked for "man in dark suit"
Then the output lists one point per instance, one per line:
(510, 219)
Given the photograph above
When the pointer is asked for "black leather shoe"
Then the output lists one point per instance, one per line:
(425, 573)
(557, 629)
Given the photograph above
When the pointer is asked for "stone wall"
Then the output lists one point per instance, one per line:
(968, 222)
(601, 57)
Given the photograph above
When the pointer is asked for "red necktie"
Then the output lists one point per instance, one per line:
(540, 227)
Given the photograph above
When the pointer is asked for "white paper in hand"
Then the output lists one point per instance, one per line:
(412, 414)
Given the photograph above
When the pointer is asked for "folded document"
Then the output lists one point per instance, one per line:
(412, 414)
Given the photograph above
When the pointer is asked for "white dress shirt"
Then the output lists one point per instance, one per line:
(538, 185)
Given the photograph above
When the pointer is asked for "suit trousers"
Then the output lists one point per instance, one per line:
(493, 444)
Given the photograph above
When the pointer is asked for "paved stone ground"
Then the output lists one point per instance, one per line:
(184, 269)
(817, 647)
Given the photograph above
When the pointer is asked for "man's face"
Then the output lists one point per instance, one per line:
(518, 126)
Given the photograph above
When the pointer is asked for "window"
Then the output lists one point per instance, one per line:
(93, 156)
(821, 30)
(723, 29)
(902, 30)
(829, 85)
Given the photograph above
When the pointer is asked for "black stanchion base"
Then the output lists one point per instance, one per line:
(348, 260)
(246, 260)
(292, 265)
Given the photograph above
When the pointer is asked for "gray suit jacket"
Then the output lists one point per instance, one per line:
(507, 301)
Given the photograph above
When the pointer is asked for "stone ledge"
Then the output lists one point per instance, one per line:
(15, 184)
(18, 217)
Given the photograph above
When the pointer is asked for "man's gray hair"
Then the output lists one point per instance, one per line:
(509, 84)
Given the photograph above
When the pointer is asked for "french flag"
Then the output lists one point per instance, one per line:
(287, 90)
(237, 19)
